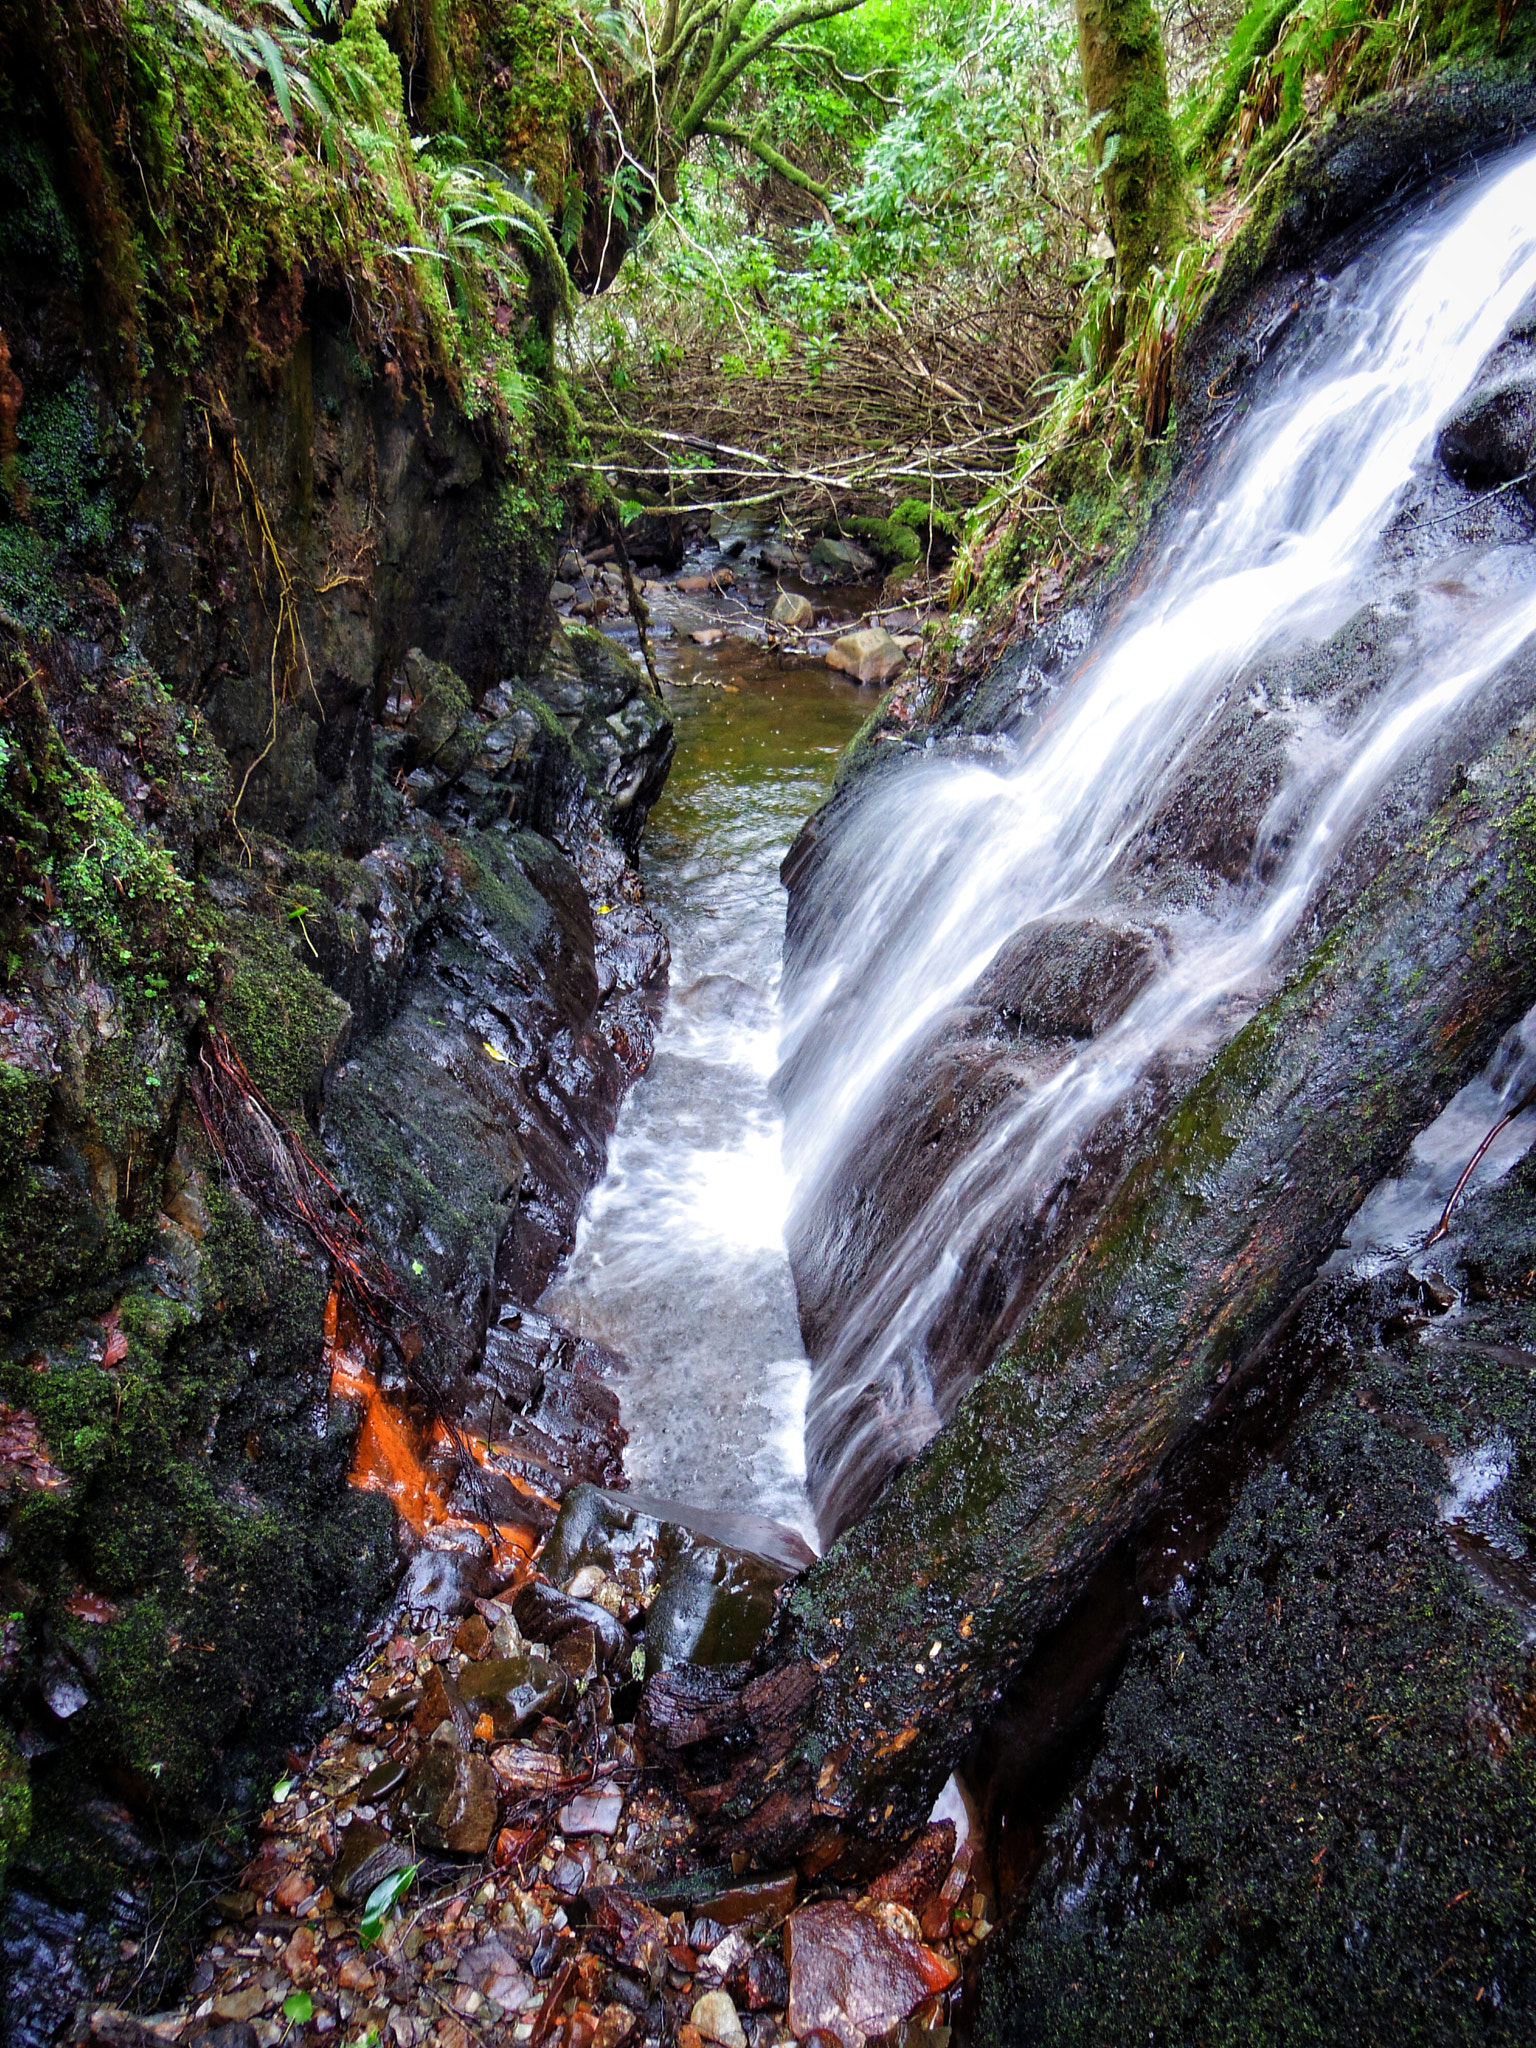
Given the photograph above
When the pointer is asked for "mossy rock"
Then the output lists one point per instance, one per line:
(283, 1021)
(1310, 1813)
(890, 541)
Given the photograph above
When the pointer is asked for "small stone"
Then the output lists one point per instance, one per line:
(852, 1978)
(793, 610)
(240, 2005)
(615, 2023)
(715, 2018)
(522, 1768)
(472, 1638)
(756, 1907)
(507, 1639)
(708, 636)
(513, 1690)
(922, 1870)
(767, 1982)
(452, 1800)
(870, 655)
(367, 1856)
(586, 1582)
(591, 1813)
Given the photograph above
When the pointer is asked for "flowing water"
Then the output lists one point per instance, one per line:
(1290, 532)
(679, 1262)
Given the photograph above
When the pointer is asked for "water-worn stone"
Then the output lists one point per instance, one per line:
(870, 655)
(547, 1615)
(792, 608)
(852, 1978)
(716, 2019)
(513, 1690)
(450, 1799)
(366, 1857)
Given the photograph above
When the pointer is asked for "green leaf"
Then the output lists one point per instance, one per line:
(276, 70)
(298, 2006)
(282, 1788)
(382, 1900)
(629, 509)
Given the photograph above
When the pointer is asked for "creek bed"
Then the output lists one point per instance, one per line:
(679, 1263)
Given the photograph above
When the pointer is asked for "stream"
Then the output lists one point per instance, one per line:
(680, 1263)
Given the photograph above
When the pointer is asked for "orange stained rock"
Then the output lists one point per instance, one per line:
(398, 1454)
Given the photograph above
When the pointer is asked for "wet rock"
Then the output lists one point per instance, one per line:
(442, 727)
(492, 1969)
(383, 1779)
(757, 1906)
(591, 1813)
(547, 1615)
(1491, 437)
(522, 1768)
(840, 561)
(232, 2034)
(852, 1978)
(443, 1582)
(513, 1690)
(366, 1857)
(713, 1596)
(871, 655)
(615, 720)
(715, 2017)
(791, 608)
(921, 1871)
(1182, 1868)
(450, 1799)
(767, 1982)
(1067, 977)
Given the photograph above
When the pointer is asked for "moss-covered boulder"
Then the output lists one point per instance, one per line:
(1310, 1810)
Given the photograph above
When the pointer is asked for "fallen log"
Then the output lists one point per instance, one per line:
(894, 1650)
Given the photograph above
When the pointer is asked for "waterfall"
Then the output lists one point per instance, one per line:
(941, 879)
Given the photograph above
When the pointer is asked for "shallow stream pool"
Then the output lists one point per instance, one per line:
(679, 1263)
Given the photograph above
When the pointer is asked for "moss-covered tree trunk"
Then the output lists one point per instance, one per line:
(1141, 168)
(893, 1652)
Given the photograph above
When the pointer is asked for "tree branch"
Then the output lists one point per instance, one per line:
(764, 151)
(723, 71)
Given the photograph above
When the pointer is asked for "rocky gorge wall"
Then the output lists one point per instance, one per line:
(296, 765)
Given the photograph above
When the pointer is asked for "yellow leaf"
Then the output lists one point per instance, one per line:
(495, 1051)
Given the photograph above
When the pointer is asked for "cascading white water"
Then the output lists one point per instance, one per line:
(939, 865)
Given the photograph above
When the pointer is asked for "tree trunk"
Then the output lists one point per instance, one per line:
(895, 1649)
(1141, 168)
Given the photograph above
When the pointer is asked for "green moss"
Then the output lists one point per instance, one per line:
(15, 1800)
(891, 541)
(205, 1506)
(1310, 1814)
(284, 1022)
